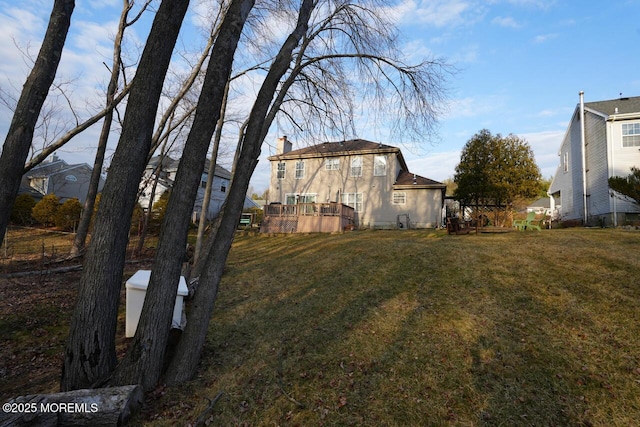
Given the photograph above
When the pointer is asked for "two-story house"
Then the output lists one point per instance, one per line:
(158, 178)
(55, 176)
(602, 140)
(370, 177)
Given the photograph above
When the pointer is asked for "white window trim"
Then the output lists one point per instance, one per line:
(332, 163)
(380, 162)
(351, 199)
(356, 164)
(300, 169)
(280, 175)
(633, 134)
(399, 198)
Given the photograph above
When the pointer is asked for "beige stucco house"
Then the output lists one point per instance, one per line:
(370, 177)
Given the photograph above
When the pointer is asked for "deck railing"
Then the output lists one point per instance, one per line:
(307, 218)
(315, 209)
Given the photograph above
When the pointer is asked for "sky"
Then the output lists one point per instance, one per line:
(520, 67)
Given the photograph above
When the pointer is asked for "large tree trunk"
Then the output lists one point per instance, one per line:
(143, 362)
(90, 200)
(90, 352)
(20, 135)
(185, 361)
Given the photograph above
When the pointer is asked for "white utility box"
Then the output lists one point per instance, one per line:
(137, 289)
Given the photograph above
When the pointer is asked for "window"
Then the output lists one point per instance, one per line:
(354, 200)
(71, 178)
(203, 184)
(399, 198)
(332, 164)
(631, 135)
(565, 161)
(356, 166)
(300, 169)
(281, 170)
(223, 188)
(295, 198)
(379, 166)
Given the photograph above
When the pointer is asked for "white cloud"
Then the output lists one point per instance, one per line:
(439, 13)
(437, 166)
(545, 146)
(505, 21)
(543, 38)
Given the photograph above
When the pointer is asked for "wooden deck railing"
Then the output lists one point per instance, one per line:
(307, 217)
(321, 209)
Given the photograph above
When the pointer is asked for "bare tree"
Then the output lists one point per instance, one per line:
(309, 84)
(89, 203)
(185, 361)
(143, 362)
(20, 135)
(90, 351)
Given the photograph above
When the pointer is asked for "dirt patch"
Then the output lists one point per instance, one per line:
(34, 323)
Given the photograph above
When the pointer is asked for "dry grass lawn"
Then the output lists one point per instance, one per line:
(406, 328)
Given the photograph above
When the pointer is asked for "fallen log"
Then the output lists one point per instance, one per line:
(111, 406)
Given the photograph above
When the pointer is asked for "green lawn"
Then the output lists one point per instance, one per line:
(385, 328)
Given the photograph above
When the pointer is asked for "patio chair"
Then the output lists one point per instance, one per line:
(528, 223)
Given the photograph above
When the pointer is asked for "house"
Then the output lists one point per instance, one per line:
(541, 206)
(161, 172)
(602, 140)
(371, 178)
(55, 176)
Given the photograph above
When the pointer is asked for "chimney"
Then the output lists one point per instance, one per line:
(283, 146)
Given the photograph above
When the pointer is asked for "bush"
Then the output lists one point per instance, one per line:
(22, 207)
(158, 211)
(68, 214)
(45, 210)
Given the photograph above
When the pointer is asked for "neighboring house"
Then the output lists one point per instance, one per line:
(163, 175)
(608, 139)
(542, 206)
(370, 177)
(57, 177)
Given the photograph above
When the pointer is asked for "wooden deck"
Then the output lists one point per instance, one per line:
(307, 218)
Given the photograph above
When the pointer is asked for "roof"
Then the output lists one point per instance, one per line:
(411, 179)
(341, 148)
(623, 105)
(169, 163)
(543, 202)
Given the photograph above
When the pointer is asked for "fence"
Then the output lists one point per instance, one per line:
(24, 248)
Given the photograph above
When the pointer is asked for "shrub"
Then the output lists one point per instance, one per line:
(22, 207)
(45, 210)
(68, 214)
(158, 211)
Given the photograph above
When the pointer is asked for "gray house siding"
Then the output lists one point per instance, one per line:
(59, 178)
(598, 202)
(605, 156)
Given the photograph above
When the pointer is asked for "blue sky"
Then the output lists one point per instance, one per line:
(521, 64)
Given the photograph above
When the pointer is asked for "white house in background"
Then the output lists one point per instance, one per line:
(55, 176)
(370, 177)
(164, 176)
(602, 140)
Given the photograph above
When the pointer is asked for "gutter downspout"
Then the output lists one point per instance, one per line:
(583, 150)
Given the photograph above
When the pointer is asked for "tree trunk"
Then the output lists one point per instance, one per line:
(96, 407)
(185, 361)
(210, 175)
(20, 135)
(90, 352)
(143, 362)
(90, 200)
